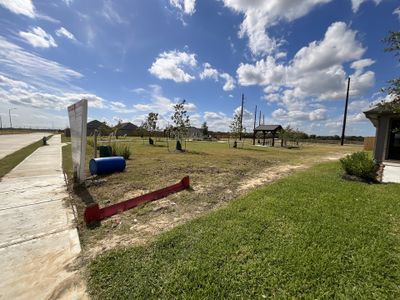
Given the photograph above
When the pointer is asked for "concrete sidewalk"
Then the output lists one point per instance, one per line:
(38, 240)
(9, 143)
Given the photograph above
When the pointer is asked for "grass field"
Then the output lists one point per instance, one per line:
(218, 174)
(10, 161)
(311, 235)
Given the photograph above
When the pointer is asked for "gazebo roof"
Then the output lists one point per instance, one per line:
(268, 128)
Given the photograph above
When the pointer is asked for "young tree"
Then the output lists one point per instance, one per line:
(151, 125)
(181, 121)
(236, 127)
(204, 129)
(393, 41)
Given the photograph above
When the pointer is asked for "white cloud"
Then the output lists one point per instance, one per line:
(33, 69)
(157, 102)
(316, 70)
(260, 16)
(338, 46)
(217, 121)
(65, 33)
(209, 72)
(357, 3)
(397, 12)
(229, 82)
(362, 64)
(358, 106)
(174, 65)
(21, 7)
(20, 93)
(185, 6)
(38, 38)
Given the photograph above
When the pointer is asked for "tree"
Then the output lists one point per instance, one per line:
(236, 126)
(150, 124)
(204, 129)
(181, 121)
(393, 41)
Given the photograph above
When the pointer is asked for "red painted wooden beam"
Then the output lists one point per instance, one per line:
(95, 213)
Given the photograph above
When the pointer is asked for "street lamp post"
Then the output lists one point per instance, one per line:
(9, 114)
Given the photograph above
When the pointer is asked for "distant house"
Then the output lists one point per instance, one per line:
(194, 133)
(127, 128)
(102, 128)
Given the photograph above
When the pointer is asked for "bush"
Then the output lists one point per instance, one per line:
(359, 164)
(119, 149)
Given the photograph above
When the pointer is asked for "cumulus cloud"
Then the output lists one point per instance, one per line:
(316, 70)
(38, 38)
(209, 72)
(20, 7)
(65, 33)
(260, 16)
(174, 65)
(185, 6)
(229, 82)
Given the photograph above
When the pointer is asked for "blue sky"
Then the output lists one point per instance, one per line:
(129, 58)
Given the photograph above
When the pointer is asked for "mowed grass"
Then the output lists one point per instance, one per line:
(311, 235)
(10, 161)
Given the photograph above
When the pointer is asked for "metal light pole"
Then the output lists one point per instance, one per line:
(9, 114)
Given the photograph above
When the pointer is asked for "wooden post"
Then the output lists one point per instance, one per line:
(273, 138)
(264, 138)
(254, 128)
(345, 112)
(95, 144)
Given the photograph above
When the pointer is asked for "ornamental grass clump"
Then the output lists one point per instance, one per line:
(360, 165)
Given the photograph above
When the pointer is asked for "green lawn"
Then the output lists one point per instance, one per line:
(10, 161)
(310, 235)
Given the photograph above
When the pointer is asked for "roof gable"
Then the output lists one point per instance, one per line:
(268, 127)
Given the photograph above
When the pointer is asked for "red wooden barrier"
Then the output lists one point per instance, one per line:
(95, 213)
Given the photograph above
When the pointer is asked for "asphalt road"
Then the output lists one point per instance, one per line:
(9, 143)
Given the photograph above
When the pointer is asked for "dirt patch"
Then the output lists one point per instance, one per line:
(269, 175)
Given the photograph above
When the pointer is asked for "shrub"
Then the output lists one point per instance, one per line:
(359, 164)
(119, 149)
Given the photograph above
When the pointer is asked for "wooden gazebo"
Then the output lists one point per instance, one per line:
(273, 129)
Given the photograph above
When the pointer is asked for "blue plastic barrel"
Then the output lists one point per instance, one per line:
(106, 165)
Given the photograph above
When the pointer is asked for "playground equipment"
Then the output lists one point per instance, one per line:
(95, 213)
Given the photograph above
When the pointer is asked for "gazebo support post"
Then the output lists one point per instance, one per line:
(273, 138)
(263, 137)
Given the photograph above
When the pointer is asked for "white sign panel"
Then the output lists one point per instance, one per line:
(77, 121)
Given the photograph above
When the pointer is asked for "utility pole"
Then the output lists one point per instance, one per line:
(241, 119)
(345, 112)
(254, 127)
(259, 119)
